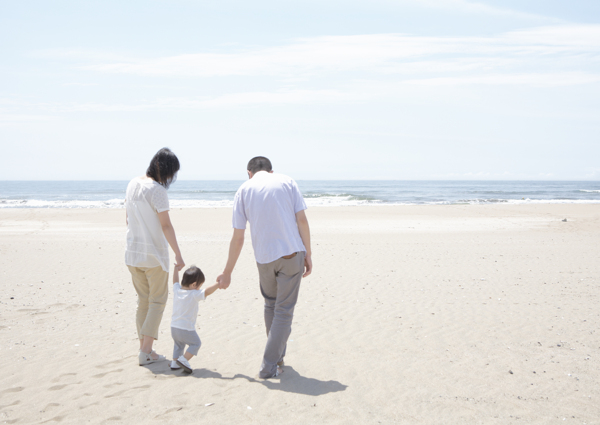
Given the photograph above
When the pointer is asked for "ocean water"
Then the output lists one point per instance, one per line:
(211, 194)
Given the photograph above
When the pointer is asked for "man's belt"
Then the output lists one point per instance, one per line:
(287, 257)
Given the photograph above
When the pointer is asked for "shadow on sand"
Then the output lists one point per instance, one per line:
(290, 381)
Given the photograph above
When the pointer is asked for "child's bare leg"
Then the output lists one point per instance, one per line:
(188, 356)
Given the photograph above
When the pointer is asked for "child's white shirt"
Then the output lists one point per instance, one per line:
(185, 307)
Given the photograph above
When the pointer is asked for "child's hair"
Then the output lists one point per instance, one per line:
(191, 276)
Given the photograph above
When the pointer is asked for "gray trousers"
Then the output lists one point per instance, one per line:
(279, 285)
(181, 338)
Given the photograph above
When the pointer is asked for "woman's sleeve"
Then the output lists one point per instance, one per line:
(160, 199)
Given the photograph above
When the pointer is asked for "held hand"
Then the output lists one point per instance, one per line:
(307, 265)
(179, 262)
(176, 267)
(224, 280)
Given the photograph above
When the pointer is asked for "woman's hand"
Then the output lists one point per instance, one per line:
(179, 263)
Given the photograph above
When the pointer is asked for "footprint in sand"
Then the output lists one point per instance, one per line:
(89, 405)
(101, 375)
(124, 391)
(104, 365)
(55, 419)
(62, 376)
(114, 384)
(14, 403)
(60, 387)
(50, 406)
(13, 390)
(117, 394)
(174, 409)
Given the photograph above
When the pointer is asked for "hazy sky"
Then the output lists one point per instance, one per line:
(328, 89)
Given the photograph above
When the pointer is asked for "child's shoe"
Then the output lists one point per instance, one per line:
(174, 365)
(182, 361)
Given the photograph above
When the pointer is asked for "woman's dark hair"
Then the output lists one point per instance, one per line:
(163, 167)
(259, 163)
(191, 276)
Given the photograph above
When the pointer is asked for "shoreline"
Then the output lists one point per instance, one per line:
(310, 205)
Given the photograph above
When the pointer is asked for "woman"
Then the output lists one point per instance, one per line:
(149, 234)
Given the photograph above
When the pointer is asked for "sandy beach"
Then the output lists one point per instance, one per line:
(413, 314)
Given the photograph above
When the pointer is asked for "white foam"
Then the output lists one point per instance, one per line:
(176, 203)
(553, 201)
(324, 201)
(338, 201)
(35, 203)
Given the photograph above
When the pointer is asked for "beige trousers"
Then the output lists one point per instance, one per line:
(151, 285)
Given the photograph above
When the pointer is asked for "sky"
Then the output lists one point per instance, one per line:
(327, 89)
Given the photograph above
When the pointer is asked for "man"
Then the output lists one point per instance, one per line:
(274, 207)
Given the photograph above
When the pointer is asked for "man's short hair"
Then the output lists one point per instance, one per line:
(259, 163)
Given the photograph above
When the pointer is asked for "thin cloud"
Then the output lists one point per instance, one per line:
(13, 119)
(378, 53)
(533, 79)
(80, 84)
(359, 68)
(480, 8)
(222, 101)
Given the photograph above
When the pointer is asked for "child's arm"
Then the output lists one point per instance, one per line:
(176, 273)
(211, 289)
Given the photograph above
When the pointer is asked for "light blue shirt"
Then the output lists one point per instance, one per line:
(269, 202)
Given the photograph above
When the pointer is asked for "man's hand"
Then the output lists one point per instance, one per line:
(307, 265)
(304, 230)
(224, 280)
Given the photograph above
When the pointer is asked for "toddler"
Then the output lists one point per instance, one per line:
(185, 310)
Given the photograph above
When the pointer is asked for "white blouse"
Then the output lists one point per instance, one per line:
(146, 242)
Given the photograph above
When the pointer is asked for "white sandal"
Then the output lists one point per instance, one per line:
(146, 358)
(160, 356)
